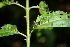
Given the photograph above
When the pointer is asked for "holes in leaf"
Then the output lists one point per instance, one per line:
(61, 14)
(68, 16)
(60, 17)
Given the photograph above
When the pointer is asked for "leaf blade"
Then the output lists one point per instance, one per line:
(8, 30)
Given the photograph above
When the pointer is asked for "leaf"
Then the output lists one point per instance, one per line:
(42, 4)
(53, 19)
(43, 7)
(2, 4)
(8, 30)
(49, 19)
(6, 2)
(59, 23)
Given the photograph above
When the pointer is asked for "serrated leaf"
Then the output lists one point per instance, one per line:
(53, 19)
(60, 23)
(8, 30)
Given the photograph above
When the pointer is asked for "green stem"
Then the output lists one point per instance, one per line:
(22, 34)
(19, 5)
(27, 21)
(34, 7)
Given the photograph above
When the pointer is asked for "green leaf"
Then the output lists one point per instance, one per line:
(43, 7)
(42, 4)
(8, 30)
(6, 2)
(53, 19)
(59, 23)
(2, 4)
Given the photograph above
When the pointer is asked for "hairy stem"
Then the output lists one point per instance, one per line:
(27, 21)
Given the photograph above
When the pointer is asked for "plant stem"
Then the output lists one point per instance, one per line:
(34, 7)
(27, 21)
(22, 34)
(19, 5)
